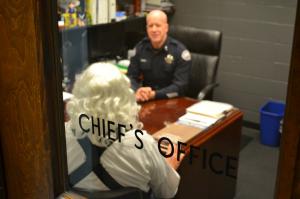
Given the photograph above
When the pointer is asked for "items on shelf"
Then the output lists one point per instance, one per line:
(77, 13)
(101, 11)
(164, 5)
(71, 13)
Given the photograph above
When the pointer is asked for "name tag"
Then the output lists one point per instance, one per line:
(171, 95)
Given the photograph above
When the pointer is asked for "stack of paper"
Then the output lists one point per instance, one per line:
(210, 108)
(197, 120)
(205, 113)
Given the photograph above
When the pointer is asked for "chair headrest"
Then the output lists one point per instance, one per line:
(198, 40)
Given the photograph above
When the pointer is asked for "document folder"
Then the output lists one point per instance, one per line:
(177, 132)
(210, 109)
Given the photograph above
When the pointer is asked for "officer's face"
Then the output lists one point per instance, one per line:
(157, 29)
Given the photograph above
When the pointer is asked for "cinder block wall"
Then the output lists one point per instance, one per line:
(256, 50)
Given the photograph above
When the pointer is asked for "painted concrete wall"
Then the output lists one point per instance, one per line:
(256, 48)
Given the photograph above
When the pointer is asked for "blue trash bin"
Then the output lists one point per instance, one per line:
(271, 115)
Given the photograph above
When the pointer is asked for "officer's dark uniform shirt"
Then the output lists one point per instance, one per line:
(165, 70)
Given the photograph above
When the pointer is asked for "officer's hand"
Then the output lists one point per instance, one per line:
(140, 97)
(152, 95)
(144, 94)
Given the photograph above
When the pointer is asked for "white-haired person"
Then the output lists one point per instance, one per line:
(104, 116)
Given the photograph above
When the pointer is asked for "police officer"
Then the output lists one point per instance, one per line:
(160, 65)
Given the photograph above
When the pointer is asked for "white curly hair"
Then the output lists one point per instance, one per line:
(102, 91)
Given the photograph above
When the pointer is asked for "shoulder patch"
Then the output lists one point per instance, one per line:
(186, 55)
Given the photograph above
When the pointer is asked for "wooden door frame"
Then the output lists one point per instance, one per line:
(53, 83)
(287, 181)
(45, 72)
(31, 125)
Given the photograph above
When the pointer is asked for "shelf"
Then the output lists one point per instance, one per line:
(127, 20)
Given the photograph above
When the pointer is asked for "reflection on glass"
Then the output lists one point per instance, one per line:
(103, 133)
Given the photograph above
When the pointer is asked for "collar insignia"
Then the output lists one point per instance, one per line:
(166, 48)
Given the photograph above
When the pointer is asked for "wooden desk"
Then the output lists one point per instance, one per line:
(212, 174)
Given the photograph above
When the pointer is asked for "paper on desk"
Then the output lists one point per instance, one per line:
(210, 108)
(197, 120)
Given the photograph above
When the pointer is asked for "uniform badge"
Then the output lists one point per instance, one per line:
(186, 55)
(169, 59)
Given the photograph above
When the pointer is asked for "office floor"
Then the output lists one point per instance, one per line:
(257, 169)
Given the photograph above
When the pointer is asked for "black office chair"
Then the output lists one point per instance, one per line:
(205, 47)
(123, 193)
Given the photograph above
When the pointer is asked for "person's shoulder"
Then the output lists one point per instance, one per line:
(132, 136)
(140, 46)
(144, 42)
(176, 44)
(180, 49)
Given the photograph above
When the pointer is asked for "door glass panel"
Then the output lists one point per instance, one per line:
(116, 145)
